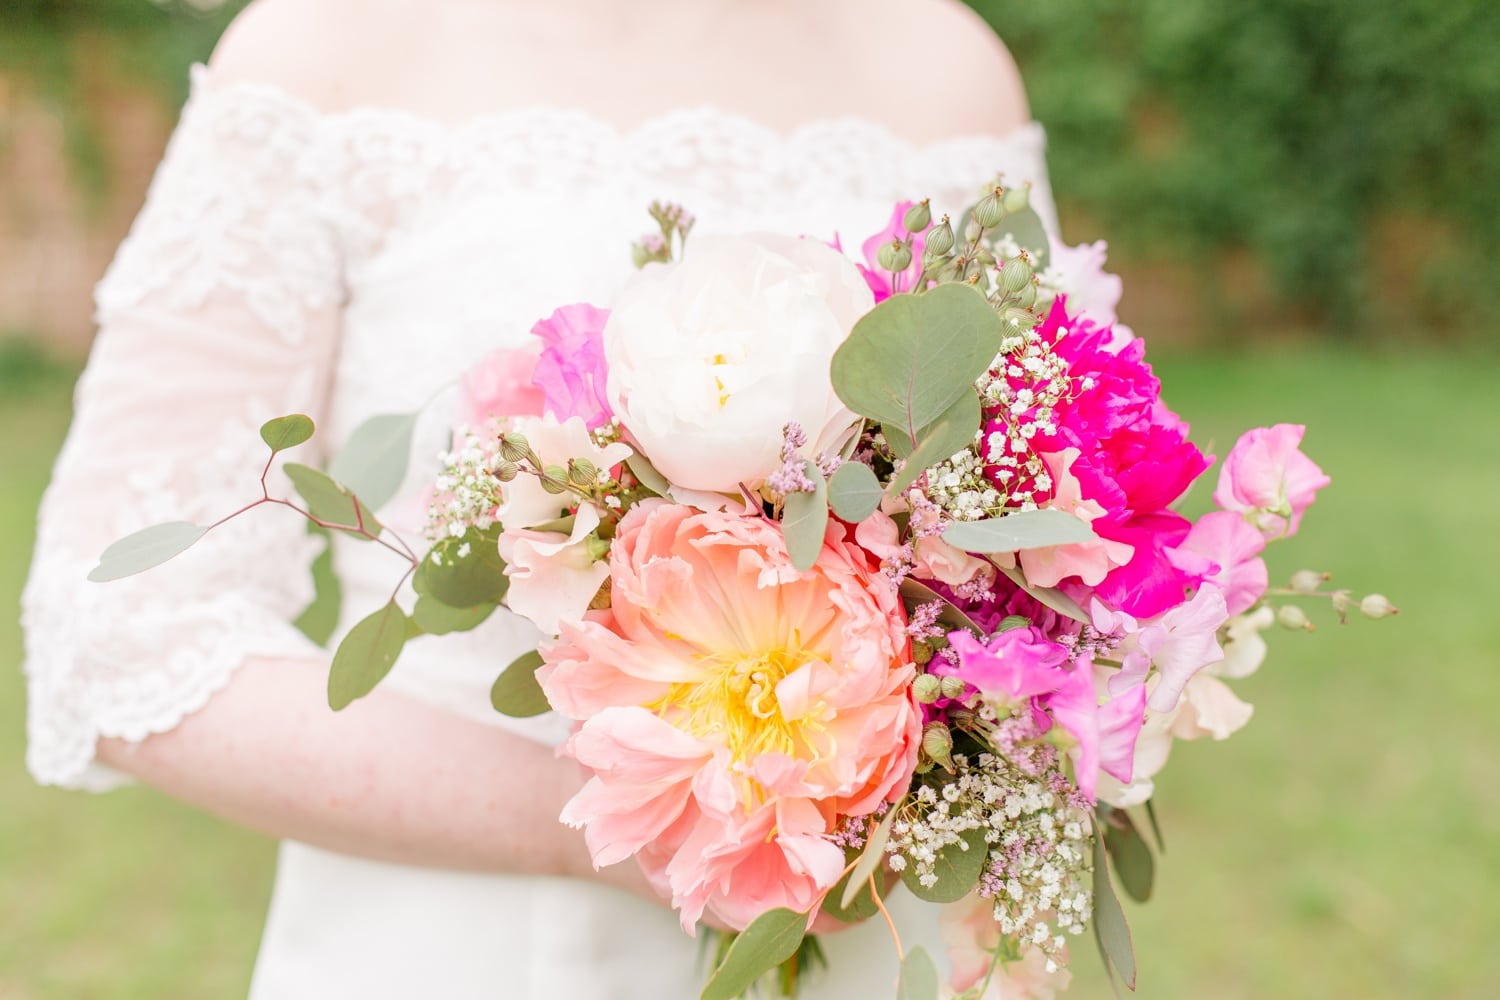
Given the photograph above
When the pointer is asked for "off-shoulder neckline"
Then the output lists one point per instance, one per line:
(1031, 135)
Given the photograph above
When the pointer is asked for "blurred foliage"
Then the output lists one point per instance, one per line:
(1315, 133)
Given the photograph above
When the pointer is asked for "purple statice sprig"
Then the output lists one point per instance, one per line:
(791, 475)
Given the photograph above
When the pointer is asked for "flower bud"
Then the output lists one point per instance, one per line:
(514, 447)
(990, 211)
(506, 471)
(1307, 581)
(554, 479)
(1015, 274)
(1342, 602)
(1377, 606)
(1013, 621)
(921, 653)
(927, 688)
(582, 472)
(937, 743)
(1026, 297)
(1016, 199)
(940, 240)
(1289, 616)
(917, 218)
(953, 687)
(973, 230)
(894, 256)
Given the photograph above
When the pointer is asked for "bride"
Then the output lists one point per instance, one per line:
(363, 197)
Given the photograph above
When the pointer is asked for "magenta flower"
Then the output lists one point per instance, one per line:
(1017, 665)
(1106, 734)
(570, 372)
(1268, 479)
(1234, 546)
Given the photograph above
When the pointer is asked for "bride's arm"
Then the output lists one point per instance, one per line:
(387, 778)
(223, 309)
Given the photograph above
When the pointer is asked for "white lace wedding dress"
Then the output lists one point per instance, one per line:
(350, 264)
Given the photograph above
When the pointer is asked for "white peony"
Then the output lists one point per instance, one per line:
(709, 358)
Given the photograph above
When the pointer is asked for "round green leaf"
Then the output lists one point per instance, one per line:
(372, 463)
(437, 618)
(1025, 529)
(331, 503)
(919, 976)
(952, 433)
(772, 938)
(516, 693)
(854, 492)
(366, 655)
(468, 569)
(286, 432)
(911, 357)
(958, 868)
(804, 520)
(138, 552)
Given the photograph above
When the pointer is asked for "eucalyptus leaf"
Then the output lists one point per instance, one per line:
(772, 938)
(649, 477)
(873, 854)
(319, 619)
(952, 433)
(1129, 853)
(331, 503)
(1026, 228)
(1110, 927)
(516, 693)
(957, 868)
(1050, 596)
(919, 976)
(366, 655)
(467, 570)
(854, 492)
(804, 520)
(141, 550)
(915, 593)
(861, 905)
(437, 618)
(286, 432)
(910, 358)
(372, 463)
(1161, 845)
(1025, 529)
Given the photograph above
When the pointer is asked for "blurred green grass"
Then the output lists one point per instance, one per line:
(1345, 844)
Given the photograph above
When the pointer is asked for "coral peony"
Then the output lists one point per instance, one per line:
(734, 709)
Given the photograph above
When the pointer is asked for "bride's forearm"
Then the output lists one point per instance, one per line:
(388, 778)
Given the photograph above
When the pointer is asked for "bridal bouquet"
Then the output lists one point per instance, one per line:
(851, 573)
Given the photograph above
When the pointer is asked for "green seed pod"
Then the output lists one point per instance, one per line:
(506, 471)
(917, 218)
(1307, 581)
(989, 211)
(927, 688)
(514, 447)
(1289, 616)
(894, 256)
(554, 479)
(1377, 606)
(952, 687)
(1013, 621)
(937, 743)
(973, 230)
(582, 472)
(1015, 274)
(940, 240)
(1026, 297)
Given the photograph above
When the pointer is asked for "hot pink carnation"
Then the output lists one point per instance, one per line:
(570, 372)
(733, 709)
(1133, 460)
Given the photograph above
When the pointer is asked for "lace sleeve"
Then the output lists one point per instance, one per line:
(220, 311)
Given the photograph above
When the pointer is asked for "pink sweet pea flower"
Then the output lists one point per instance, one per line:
(972, 936)
(1178, 644)
(553, 576)
(1234, 547)
(499, 387)
(1015, 666)
(1105, 733)
(571, 372)
(1268, 479)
